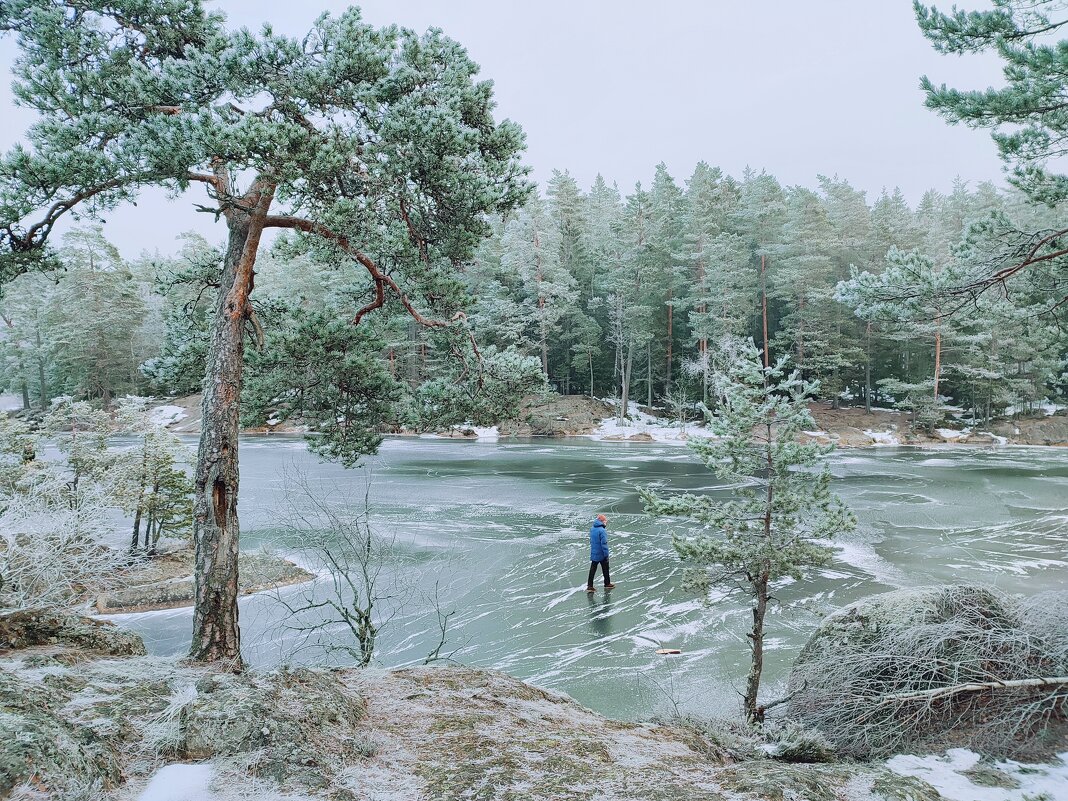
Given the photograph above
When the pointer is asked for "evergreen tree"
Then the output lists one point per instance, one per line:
(775, 524)
(377, 146)
(148, 481)
(531, 252)
(666, 239)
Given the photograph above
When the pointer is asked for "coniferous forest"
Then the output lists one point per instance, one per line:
(589, 291)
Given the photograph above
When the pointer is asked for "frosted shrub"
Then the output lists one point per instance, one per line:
(50, 544)
(931, 668)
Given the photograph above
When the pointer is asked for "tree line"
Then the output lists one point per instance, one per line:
(627, 295)
(587, 291)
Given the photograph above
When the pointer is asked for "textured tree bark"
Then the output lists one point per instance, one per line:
(937, 355)
(764, 306)
(753, 713)
(215, 526)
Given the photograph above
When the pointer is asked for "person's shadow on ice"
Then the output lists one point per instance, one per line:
(600, 615)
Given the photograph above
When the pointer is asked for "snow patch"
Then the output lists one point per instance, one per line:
(950, 434)
(167, 415)
(883, 437)
(1046, 407)
(491, 434)
(947, 775)
(181, 782)
(997, 438)
(654, 429)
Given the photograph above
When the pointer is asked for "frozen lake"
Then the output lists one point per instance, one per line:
(501, 528)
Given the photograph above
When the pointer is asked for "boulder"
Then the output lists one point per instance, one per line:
(28, 627)
(293, 724)
(258, 571)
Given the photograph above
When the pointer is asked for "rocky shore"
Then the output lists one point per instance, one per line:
(580, 415)
(84, 714)
(166, 581)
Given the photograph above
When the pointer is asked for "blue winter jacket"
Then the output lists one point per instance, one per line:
(598, 542)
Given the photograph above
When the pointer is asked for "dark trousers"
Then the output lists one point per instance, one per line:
(604, 572)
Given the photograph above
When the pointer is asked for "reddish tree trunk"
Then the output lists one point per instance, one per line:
(764, 305)
(216, 533)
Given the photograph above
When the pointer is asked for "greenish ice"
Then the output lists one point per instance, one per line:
(498, 532)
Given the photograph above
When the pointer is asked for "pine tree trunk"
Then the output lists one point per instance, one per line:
(42, 382)
(867, 370)
(140, 497)
(753, 712)
(136, 530)
(764, 305)
(670, 337)
(627, 368)
(216, 636)
(25, 396)
(544, 340)
(649, 376)
(937, 355)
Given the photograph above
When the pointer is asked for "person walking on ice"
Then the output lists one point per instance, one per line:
(599, 552)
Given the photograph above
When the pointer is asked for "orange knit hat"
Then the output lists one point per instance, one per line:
(602, 518)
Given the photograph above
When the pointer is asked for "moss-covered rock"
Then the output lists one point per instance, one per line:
(29, 627)
(42, 746)
(296, 724)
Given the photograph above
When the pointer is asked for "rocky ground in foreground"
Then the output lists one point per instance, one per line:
(84, 714)
(166, 581)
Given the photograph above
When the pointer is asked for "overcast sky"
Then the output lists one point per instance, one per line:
(615, 86)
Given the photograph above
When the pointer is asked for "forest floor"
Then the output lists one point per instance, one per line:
(84, 714)
(166, 581)
(581, 415)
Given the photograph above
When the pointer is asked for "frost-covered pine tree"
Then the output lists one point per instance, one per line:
(148, 481)
(777, 522)
(532, 253)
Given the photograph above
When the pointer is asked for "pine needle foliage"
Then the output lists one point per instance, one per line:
(780, 510)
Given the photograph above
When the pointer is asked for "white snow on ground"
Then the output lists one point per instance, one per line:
(945, 774)
(883, 437)
(168, 415)
(180, 782)
(950, 433)
(10, 403)
(660, 429)
(1045, 407)
(490, 434)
